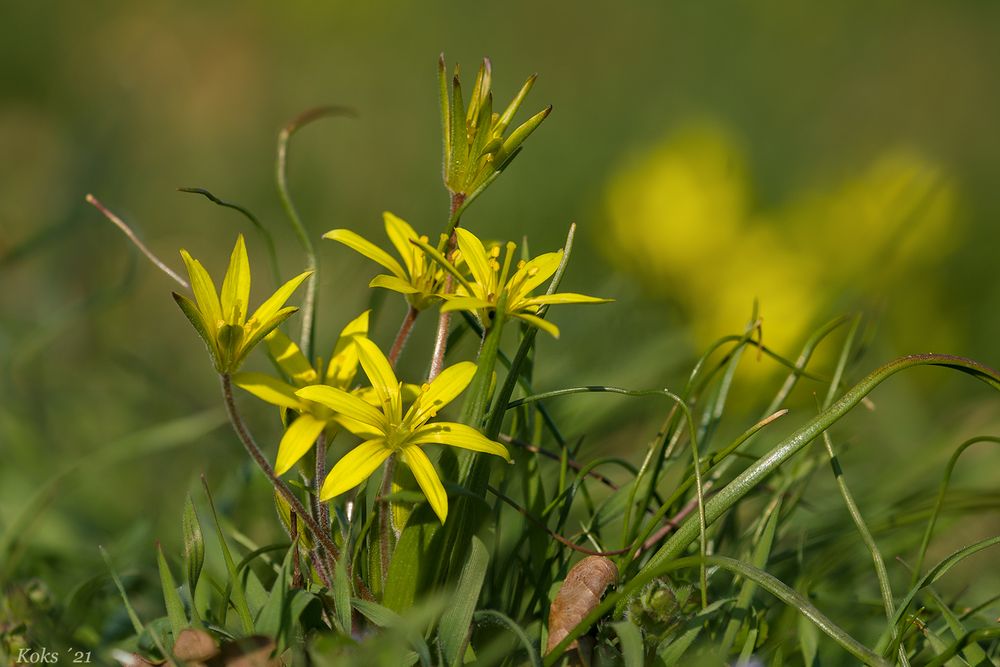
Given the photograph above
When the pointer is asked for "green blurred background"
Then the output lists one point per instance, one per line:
(824, 157)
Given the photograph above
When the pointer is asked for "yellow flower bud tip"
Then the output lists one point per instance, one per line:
(494, 252)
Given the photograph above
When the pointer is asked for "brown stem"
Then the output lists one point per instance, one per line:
(255, 453)
(444, 318)
(556, 536)
(404, 333)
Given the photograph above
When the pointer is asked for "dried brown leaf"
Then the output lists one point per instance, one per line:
(580, 592)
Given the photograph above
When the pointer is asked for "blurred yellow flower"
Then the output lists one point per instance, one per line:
(680, 218)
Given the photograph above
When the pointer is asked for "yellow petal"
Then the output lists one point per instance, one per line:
(441, 391)
(367, 248)
(384, 381)
(400, 233)
(360, 429)
(269, 389)
(457, 435)
(563, 297)
(428, 479)
(534, 320)
(257, 332)
(289, 358)
(204, 292)
(236, 285)
(343, 364)
(298, 439)
(356, 466)
(270, 308)
(346, 404)
(470, 303)
(393, 283)
(534, 273)
(474, 255)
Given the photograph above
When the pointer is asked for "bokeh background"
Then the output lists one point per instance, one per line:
(824, 158)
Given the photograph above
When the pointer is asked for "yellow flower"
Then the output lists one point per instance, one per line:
(222, 321)
(313, 418)
(490, 282)
(387, 430)
(418, 278)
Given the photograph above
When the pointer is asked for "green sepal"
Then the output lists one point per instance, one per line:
(508, 115)
(230, 342)
(197, 320)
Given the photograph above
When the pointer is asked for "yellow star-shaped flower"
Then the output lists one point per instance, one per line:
(490, 281)
(312, 418)
(222, 321)
(418, 278)
(387, 430)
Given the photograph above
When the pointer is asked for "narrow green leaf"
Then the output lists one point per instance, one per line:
(453, 630)
(175, 608)
(630, 638)
(497, 617)
(386, 618)
(194, 553)
(271, 620)
(342, 596)
(808, 641)
(235, 585)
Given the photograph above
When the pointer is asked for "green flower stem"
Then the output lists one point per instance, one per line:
(764, 466)
(320, 509)
(502, 403)
(281, 178)
(444, 318)
(255, 453)
(405, 328)
(385, 518)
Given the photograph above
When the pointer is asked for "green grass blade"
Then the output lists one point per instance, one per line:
(484, 615)
(630, 638)
(386, 618)
(239, 598)
(746, 481)
(933, 575)
(453, 630)
(175, 608)
(949, 469)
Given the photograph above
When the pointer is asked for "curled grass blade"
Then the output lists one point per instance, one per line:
(939, 501)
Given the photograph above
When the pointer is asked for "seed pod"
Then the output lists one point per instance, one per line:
(580, 592)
